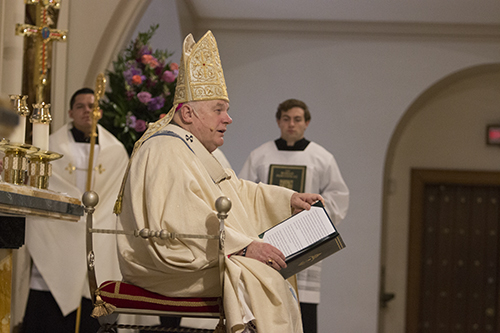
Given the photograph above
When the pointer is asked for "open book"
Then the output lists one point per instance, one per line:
(305, 239)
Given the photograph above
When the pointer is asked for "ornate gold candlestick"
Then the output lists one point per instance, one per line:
(21, 108)
(40, 168)
(15, 164)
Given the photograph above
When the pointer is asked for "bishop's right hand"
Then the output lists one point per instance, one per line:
(267, 254)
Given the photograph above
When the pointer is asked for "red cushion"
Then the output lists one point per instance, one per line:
(124, 295)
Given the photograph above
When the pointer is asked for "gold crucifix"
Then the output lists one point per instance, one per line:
(43, 35)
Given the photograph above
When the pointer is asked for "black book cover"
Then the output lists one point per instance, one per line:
(313, 253)
(289, 176)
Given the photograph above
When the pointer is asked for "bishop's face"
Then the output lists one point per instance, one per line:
(292, 125)
(210, 122)
(81, 112)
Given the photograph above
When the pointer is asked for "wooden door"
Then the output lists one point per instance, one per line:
(454, 253)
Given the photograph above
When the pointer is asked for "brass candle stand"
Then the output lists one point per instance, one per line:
(19, 105)
(40, 168)
(15, 164)
(41, 113)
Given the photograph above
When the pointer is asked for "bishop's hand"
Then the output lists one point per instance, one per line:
(301, 201)
(267, 254)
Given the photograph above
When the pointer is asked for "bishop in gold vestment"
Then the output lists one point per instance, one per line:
(173, 182)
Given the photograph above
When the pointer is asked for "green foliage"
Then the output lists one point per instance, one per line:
(141, 89)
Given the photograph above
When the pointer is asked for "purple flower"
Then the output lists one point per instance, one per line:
(130, 120)
(140, 125)
(129, 73)
(144, 97)
(168, 76)
(145, 49)
(156, 103)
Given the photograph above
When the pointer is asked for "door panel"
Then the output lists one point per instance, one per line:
(453, 263)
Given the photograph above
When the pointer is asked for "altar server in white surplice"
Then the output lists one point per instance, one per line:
(292, 154)
(173, 184)
(57, 248)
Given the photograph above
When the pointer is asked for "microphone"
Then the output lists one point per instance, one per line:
(203, 123)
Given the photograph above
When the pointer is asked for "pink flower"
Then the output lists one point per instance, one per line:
(174, 66)
(168, 76)
(144, 97)
(140, 125)
(148, 59)
(153, 63)
(136, 79)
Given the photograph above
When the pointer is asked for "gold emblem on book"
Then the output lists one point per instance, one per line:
(289, 176)
(310, 259)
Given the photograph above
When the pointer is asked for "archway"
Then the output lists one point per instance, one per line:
(443, 129)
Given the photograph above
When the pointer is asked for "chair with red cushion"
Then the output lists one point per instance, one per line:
(117, 297)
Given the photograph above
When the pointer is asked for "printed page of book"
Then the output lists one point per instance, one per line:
(300, 231)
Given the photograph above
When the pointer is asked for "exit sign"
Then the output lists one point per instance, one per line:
(493, 135)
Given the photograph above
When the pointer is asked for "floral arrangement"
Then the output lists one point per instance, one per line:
(141, 89)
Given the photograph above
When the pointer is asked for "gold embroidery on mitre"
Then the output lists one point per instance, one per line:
(200, 72)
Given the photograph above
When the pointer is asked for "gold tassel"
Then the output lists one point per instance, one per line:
(117, 210)
(102, 308)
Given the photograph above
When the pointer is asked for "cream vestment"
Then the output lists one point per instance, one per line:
(173, 184)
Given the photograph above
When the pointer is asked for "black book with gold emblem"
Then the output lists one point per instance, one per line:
(289, 176)
(305, 239)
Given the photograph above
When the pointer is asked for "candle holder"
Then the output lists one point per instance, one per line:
(15, 165)
(40, 168)
(41, 120)
(41, 113)
(20, 106)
